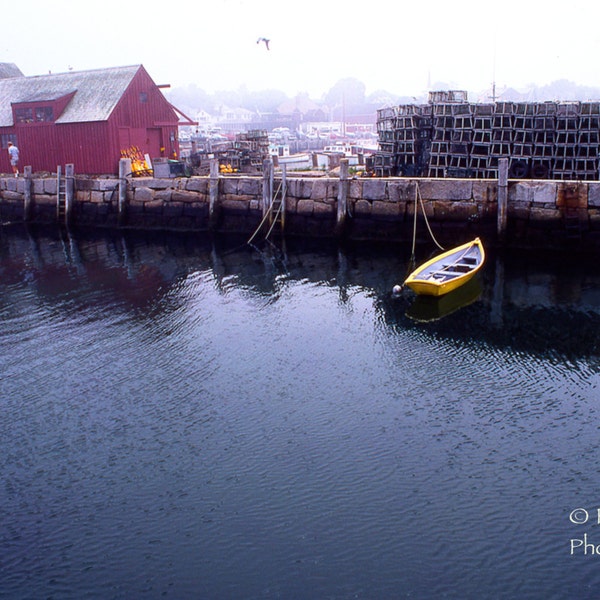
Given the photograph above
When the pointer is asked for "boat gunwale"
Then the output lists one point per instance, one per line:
(438, 288)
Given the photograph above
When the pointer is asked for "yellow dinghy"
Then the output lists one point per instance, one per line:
(448, 271)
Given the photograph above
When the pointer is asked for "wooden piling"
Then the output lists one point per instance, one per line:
(213, 195)
(59, 185)
(124, 171)
(267, 186)
(342, 200)
(27, 196)
(502, 197)
(283, 196)
(69, 191)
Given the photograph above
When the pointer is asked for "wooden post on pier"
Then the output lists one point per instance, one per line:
(27, 194)
(69, 191)
(267, 187)
(213, 195)
(124, 171)
(59, 193)
(502, 197)
(283, 196)
(342, 200)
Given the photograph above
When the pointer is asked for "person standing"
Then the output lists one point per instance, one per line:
(13, 154)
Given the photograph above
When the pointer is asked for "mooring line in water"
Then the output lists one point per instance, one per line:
(413, 260)
(267, 214)
(426, 220)
(260, 226)
(274, 221)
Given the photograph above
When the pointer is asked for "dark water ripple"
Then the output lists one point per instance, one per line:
(176, 422)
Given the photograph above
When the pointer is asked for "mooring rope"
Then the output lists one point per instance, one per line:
(274, 221)
(264, 219)
(414, 240)
(418, 201)
(259, 227)
(426, 221)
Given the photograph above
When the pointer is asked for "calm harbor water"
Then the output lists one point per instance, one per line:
(185, 417)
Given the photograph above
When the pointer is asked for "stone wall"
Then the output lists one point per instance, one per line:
(540, 213)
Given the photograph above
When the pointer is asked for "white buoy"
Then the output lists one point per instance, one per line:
(397, 289)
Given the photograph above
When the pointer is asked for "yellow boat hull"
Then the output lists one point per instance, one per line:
(448, 271)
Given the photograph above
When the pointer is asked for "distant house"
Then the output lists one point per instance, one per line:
(85, 117)
(234, 119)
(303, 109)
(204, 120)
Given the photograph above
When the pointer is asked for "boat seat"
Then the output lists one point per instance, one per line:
(447, 272)
(458, 268)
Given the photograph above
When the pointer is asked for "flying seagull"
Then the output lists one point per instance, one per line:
(265, 40)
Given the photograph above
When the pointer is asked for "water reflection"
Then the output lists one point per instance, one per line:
(430, 308)
(201, 418)
(534, 304)
(531, 303)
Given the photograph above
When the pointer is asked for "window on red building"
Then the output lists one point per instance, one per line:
(37, 114)
(44, 114)
(24, 115)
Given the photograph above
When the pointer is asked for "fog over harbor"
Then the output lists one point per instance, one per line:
(402, 48)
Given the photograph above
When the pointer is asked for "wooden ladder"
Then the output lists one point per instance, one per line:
(65, 188)
(61, 196)
(277, 215)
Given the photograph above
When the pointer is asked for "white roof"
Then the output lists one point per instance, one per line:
(97, 92)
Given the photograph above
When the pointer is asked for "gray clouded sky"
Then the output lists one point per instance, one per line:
(394, 45)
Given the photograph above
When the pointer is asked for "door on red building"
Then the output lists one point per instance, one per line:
(154, 142)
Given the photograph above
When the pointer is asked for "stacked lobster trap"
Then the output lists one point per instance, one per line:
(451, 137)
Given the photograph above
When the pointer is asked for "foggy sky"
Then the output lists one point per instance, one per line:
(402, 47)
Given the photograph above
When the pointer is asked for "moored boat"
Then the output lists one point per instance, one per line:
(447, 271)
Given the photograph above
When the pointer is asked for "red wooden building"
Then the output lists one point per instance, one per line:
(84, 117)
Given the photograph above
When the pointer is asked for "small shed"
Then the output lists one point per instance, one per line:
(87, 118)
